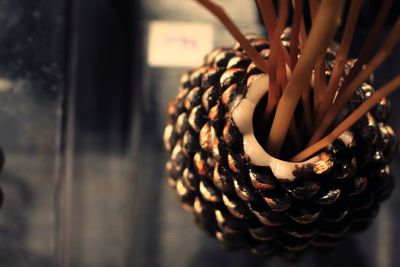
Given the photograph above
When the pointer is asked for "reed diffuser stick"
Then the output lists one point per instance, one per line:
(319, 68)
(268, 15)
(321, 35)
(295, 32)
(371, 40)
(341, 59)
(233, 29)
(347, 92)
(350, 120)
(274, 90)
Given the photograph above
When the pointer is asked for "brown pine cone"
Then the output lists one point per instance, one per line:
(277, 208)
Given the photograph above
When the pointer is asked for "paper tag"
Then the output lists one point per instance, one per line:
(178, 44)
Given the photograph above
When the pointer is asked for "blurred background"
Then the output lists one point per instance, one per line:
(83, 93)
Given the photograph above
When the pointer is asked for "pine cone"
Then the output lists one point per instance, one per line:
(284, 208)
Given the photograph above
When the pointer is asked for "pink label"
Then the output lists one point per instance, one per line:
(178, 44)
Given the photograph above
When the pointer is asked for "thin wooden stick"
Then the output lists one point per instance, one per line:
(269, 19)
(231, 27)
(348, 92)
(302, 38)
(341, 58)
(313, 5)
(319, 68)
(305, 97)
(327, 22)
(294, 35)
(274, 92)
(282, 75)
(371, 40)
(350, 120)
(319, 83)
(283, 59)
(268, 15)
(302, 35)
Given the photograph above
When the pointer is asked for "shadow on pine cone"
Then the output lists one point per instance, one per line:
(243, 205)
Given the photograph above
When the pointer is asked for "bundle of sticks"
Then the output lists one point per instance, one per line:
(297, 79)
